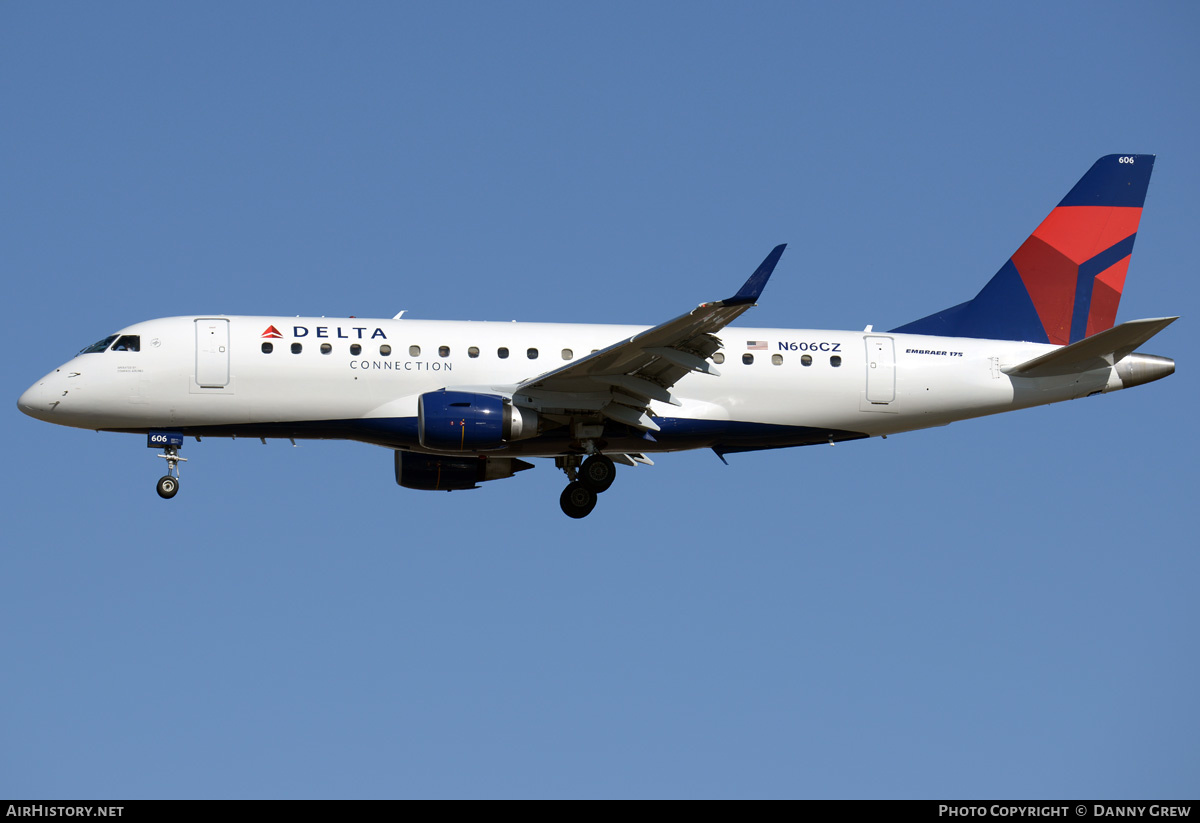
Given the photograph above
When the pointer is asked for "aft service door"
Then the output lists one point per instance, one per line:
(881, 370)
(212, 353)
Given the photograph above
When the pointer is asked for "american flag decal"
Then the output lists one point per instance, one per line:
(756, 345)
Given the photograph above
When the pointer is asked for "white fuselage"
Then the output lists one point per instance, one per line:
(361, 379)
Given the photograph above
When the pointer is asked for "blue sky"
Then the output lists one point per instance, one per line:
(1000, 608)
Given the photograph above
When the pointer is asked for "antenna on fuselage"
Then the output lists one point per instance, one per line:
(401, 314)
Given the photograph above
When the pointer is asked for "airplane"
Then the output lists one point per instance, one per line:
(464, 403)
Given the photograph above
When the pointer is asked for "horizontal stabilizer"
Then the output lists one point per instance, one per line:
(1095, 352)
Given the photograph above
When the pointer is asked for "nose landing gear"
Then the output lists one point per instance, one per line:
(168, 484)
(588, 480)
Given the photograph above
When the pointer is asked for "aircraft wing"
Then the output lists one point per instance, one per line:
(619, 382)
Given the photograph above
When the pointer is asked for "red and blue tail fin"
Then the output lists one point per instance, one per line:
(1065, 282)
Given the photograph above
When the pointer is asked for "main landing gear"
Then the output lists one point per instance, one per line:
(588, 480)
(168, 484)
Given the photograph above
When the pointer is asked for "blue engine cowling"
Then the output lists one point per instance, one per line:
(457, 421)
(436, 473)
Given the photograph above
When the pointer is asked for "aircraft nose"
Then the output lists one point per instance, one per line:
(36, 401)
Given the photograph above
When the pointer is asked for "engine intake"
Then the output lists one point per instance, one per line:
(456, 421)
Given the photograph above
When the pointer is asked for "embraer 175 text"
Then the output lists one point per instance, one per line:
(461, 403)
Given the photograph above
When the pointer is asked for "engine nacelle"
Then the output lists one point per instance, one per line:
(434, 473)
(456, 421)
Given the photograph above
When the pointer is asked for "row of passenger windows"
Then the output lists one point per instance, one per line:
(444, 351)
(132, 342)
(777, 359)
(414, 351)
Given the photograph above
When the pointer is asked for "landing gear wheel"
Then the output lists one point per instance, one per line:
(577, 500)
(168, 484)
(597, 473)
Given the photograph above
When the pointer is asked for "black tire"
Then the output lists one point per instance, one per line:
(597, 473)
(577, 500)
(168, 487)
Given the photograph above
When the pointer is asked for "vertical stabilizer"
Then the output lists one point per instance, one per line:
(1065, 281)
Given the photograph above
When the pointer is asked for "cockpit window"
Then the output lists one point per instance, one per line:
(99, 347)
(128, 342)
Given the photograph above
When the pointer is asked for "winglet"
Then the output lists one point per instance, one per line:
(754, 286)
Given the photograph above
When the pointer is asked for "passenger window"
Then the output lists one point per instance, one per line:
(806, 360)
(719, 358)
(128, 342)
(777, 359)
(835, 361)
(502, 353)
(355, 349)
(567, 354)
(268, 348)
(414, 351)
(443, 351)
(297, 348)
(385, 350)
(531, 354)
(326, 348)
(747, 358)
(473, 351)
